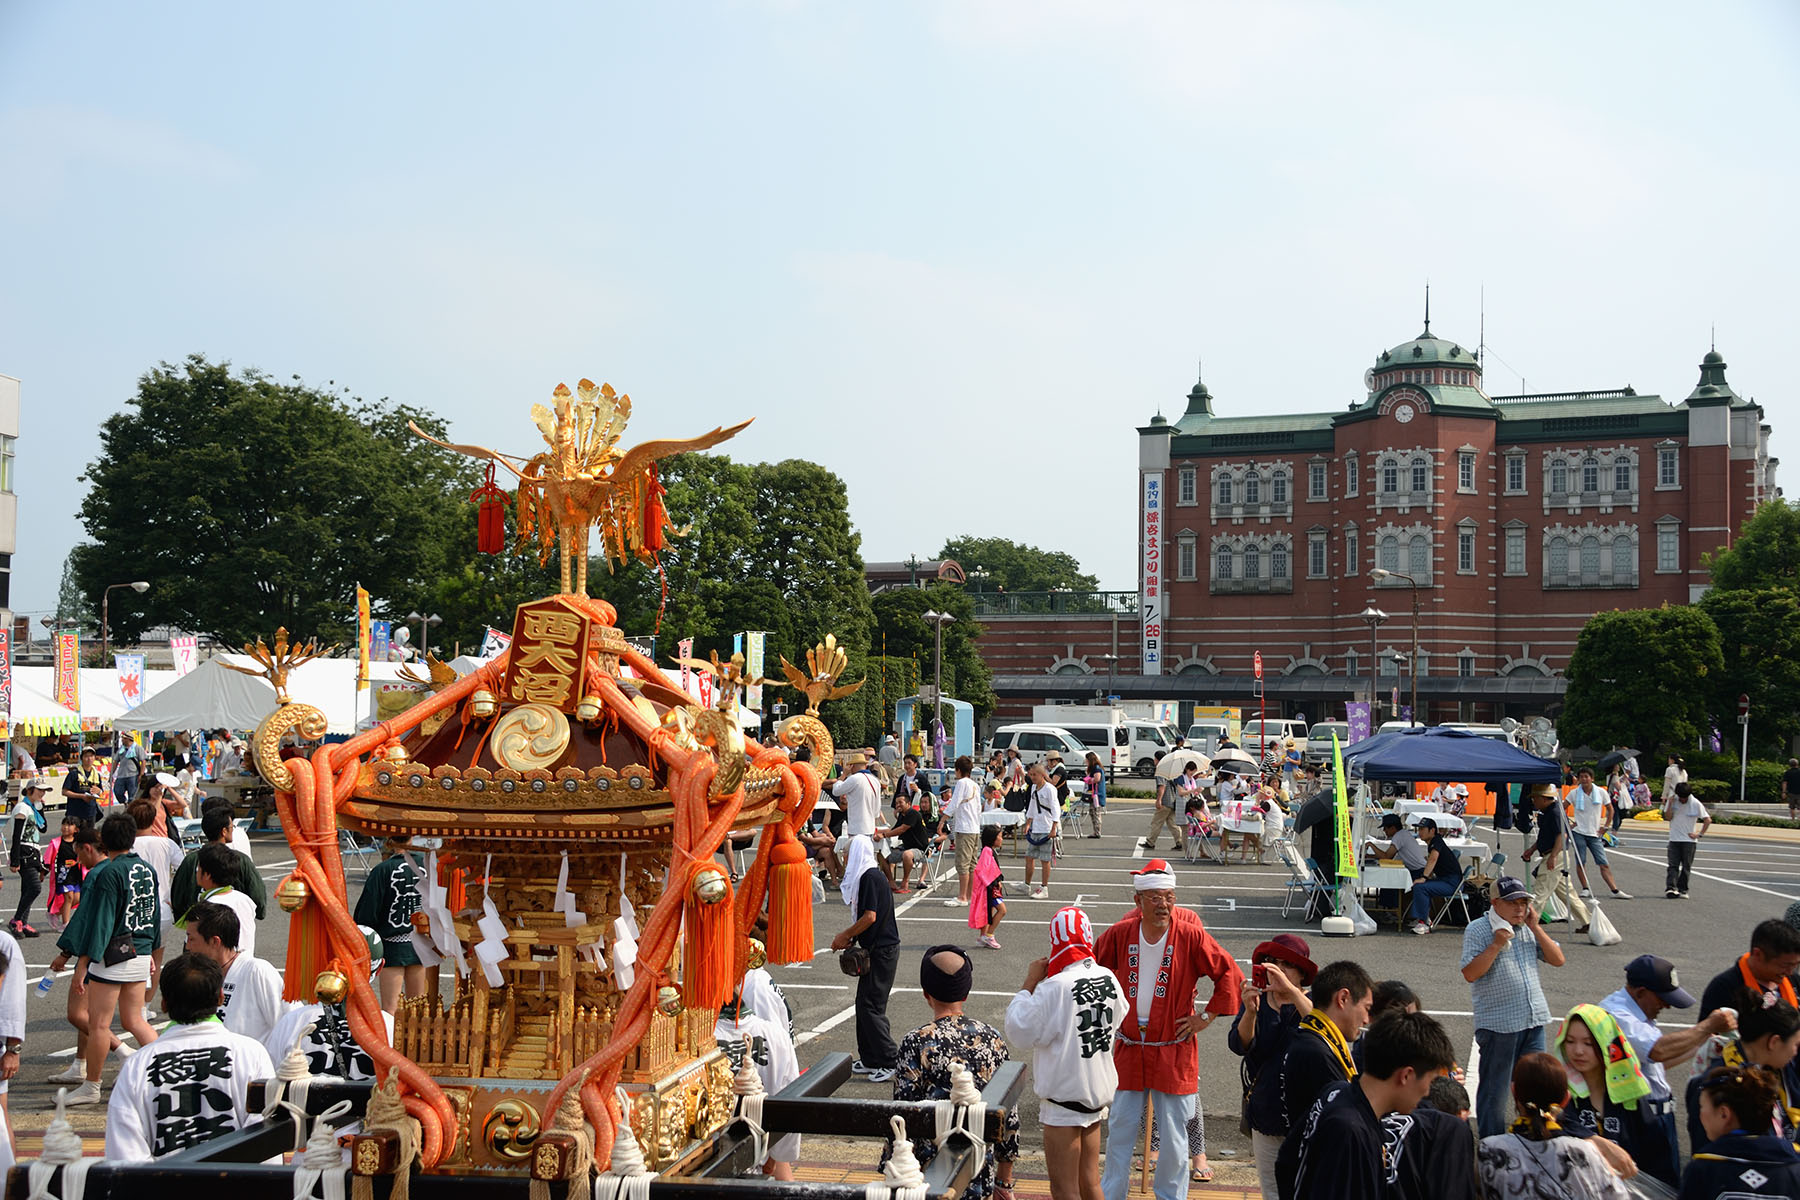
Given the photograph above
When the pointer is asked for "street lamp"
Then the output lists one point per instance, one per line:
(1379, 574)
(937, 621)
(425, 624)
(1376, 619)
(140, 587)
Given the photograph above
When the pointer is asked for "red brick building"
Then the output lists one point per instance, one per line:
(1517, 516)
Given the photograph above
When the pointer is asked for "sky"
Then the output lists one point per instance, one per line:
(957, 252)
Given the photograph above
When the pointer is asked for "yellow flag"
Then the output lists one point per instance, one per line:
(1346, 851)
(362, 638)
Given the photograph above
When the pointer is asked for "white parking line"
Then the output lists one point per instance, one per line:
(1749, 887)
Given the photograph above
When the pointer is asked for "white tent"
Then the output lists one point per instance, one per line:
(34, 706)
(214, 697)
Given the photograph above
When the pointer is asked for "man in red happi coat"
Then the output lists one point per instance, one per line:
(1160, 953)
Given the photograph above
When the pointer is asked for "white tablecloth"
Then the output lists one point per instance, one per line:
(1002, 817)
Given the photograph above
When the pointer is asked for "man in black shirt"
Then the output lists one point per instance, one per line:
(1318, 1055)
(1342, 1150)
(1433, 1146)
(1552, 841)
(1790, 788)
(871, 898)
(909, 829)
(83, 789)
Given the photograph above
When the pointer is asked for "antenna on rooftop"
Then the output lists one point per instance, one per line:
(1481, 349)
(1427, 332)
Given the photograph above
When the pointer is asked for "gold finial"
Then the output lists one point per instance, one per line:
(438, 674)
(583, 479)
(825, 662)
(728, 675)
(277, 663)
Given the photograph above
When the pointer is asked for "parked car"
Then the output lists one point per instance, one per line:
(1318, 740)
(1205, 736)
(1275, 730)
(1035, 742)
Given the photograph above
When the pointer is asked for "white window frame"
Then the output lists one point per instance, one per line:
(1318, 554)
(1317, 481)
(1465, 548)
(1465, 471)
(1668, 468)
(1352, 477)
(1515, 561)
(1187, 486)
(1515, 468)
(1668, 533)
(1186, 546)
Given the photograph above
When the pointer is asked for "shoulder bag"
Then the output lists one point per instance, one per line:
(854, 959)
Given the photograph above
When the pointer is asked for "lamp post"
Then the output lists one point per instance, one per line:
(1376, 619)
(140, 587)
(425, 624)
(937, 621)
(1379, 574)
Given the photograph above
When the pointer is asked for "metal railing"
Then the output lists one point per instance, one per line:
(999, 604)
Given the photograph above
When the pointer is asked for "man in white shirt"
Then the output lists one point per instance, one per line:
(860, 795)
(741, 1031)
(962, 819)
(215, 871)
(322, 1035)
(1069, 1013)
(1588, 804)
(252, 988)
(1688, 822)
(191, 1084)
(1043, 821)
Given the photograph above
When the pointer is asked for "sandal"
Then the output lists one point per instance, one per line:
(1200, 1175)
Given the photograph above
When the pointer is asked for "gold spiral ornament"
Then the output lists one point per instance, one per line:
(265, 743)
(807, 730)
(530, 737)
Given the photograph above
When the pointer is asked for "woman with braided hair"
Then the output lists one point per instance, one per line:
(1538, 1158)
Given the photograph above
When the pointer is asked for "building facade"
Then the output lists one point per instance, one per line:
(1511, 519)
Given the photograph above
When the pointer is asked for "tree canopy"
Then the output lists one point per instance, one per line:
(903, 632)
(1641, 678)
(1759, 639)
(1011, 567)
(1766, 553)
(248, 504)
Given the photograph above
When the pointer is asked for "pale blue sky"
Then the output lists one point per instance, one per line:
(955, 251)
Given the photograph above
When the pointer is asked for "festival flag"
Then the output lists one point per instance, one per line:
(184, 650)
(131, 678)
(494, 643)
(5, 676)
(685, 648)
(68, 676)
(753, 669)
(1346, 849)
(362, 637)
(381, 635)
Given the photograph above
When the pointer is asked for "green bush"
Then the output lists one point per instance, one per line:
(1756, 819)
(1706, 764)
(1762, 782)
(1712, 791)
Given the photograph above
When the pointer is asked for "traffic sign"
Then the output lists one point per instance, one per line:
(1258, 663)
(1743, 705)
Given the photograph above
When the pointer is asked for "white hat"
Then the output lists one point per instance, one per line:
(167, 780)
(1155, 876)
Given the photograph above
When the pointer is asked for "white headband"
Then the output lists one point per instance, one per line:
(1153, 881)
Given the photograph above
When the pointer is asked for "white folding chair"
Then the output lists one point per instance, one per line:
(364, 854)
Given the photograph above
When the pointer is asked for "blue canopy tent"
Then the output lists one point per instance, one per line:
(1434, 753)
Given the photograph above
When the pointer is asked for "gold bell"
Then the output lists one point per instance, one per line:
(331, 987)
(394, 752)
(668, 1001)
(588, 709)
(292, 893)
(710, 886)
(483, 703)
(759, 956)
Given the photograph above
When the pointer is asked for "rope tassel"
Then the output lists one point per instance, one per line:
(790, 901)
(711, 950)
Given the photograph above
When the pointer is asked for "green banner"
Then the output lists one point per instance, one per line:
(1346, 850)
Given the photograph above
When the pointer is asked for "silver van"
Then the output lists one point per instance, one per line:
(1035, 742)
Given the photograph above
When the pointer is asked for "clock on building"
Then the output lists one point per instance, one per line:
(1403, 413)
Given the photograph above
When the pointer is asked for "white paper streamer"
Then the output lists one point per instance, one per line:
(625, 937)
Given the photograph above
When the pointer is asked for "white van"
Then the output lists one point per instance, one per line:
(1035, 742)
(1149, 740)
(1112, 742)
(1275, 731)
(1205, 736)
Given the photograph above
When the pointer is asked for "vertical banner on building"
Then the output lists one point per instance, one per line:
(5, 676)
(185, 651)
(1357, 714)
(68, 678)
(381, 640)
(1150, 603)
(494, 643)
(685, 648)
(131, 678)
(362, 637)
(753, 668)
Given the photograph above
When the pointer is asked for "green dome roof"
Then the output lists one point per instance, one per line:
(1427, 350)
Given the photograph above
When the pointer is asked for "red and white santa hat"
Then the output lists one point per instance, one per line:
(1154, 876)
(1071, 938)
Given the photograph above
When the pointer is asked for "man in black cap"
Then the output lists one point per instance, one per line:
(922, 1069)
(1651, 985)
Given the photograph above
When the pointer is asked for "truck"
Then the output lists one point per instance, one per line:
(1124, 742)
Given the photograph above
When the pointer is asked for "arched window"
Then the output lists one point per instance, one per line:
(1624, 555)
(1559, 477)
(1278, 561)
(1590, 474)
(1622, 476)
(1418, 557)
(1278, 488)
(1390, 476)
(1559, 556)
(1421, 472)
(1222, 563)
(1252, 563)
(1225, 491)
(1252, 489)
(1590, 559)
(1390, 553)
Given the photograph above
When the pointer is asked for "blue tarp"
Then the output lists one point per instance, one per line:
(1446, 754)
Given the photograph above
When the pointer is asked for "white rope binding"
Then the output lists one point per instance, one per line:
(964, 1110)
(747, 1086)
(902, 1177)
(293, 1079)
(62, 1148)
(320, 1162)
(629, 1176)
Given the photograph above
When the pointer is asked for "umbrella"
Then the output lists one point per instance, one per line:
(1233, 754)
(1613, 758)
(1175, 763)
(1236, 766)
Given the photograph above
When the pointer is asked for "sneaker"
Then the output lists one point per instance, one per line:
(1421, 927)
(87, 1093)
(1618, 895)
(857, 1068)
(1148, 845)
(21, 929)
(1040, 893)
(1684, 895)
(953, 902)
(1586, 894)
(881, 1075)
(73, 1073)
(1671, 894)
(1581, 929)
(989, 941)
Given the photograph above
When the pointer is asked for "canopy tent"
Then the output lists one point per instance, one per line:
(214, 697)
(34, 707)
(1436, 753)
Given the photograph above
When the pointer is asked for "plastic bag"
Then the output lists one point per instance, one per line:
(1600, 928)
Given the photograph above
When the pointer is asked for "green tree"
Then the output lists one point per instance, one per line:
(1641, 678)
(1011, 567)
(1759, 637)
(1766, 553)
(249, 504)
(904, 633)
